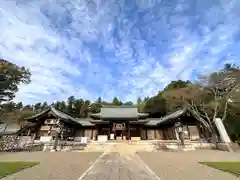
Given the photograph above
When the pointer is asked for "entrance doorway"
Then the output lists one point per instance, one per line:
(119, 134)
(119, 131)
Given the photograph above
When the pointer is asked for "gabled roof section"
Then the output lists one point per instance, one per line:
(17, 130)
(63, 116)
(38, 115)
(172, 116)
(119, 112)
(153, 121)
(85, 121)
(167, 118)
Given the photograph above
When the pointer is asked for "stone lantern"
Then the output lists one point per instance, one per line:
(179, 128)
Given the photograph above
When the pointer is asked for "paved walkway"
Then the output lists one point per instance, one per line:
(116, 166)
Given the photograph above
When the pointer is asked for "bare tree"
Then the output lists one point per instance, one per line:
(209, 97)
(218, 88)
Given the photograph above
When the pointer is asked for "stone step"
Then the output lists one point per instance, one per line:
(119, 147)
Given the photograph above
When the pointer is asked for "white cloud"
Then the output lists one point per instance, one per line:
(109, 48)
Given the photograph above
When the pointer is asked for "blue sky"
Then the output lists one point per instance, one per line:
(123, 48)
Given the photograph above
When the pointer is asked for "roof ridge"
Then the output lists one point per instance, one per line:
(121, 106)
(62, 111)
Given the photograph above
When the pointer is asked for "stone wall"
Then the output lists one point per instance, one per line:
(176, 145)
(21, 143)
(8, 143)
(64, 146)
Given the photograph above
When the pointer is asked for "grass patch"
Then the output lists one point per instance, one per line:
(7, 168)
(231, 167)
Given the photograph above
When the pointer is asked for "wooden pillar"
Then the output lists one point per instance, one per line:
(97, 129)
(155, 134)
(74, 132)
(164, 134)
(92, 134)
(189, 136)
(129, 132)
(141, 133)
(109, 131)
(146, 132)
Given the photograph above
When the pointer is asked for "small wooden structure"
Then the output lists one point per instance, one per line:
(54, 123)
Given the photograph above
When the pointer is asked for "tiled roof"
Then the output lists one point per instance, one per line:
(172, 116)
(84, 121)
(9, 128)
(14, 129)
(167, 118)
(153, 121)
(63, 116)
(38, 115)
(119, 112)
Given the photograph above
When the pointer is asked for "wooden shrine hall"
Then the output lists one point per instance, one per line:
(113, 123)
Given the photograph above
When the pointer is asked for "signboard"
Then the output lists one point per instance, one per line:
(119, 126)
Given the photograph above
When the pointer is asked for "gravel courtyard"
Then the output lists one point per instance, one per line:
(53, 165)
(185, 166)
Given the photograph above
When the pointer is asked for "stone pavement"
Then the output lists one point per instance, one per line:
(53, 165)
(117, 166)
(121, 162)
(185, 166)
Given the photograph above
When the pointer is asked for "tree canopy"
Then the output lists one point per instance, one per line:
(11, 76)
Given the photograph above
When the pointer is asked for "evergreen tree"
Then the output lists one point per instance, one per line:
(115, 101)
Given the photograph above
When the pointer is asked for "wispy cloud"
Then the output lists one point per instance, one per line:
(115, 48)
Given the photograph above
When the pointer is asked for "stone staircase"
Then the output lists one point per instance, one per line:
(188, 147)
(174, 146)
(136, 146)
(121, 147)
(97, 147)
